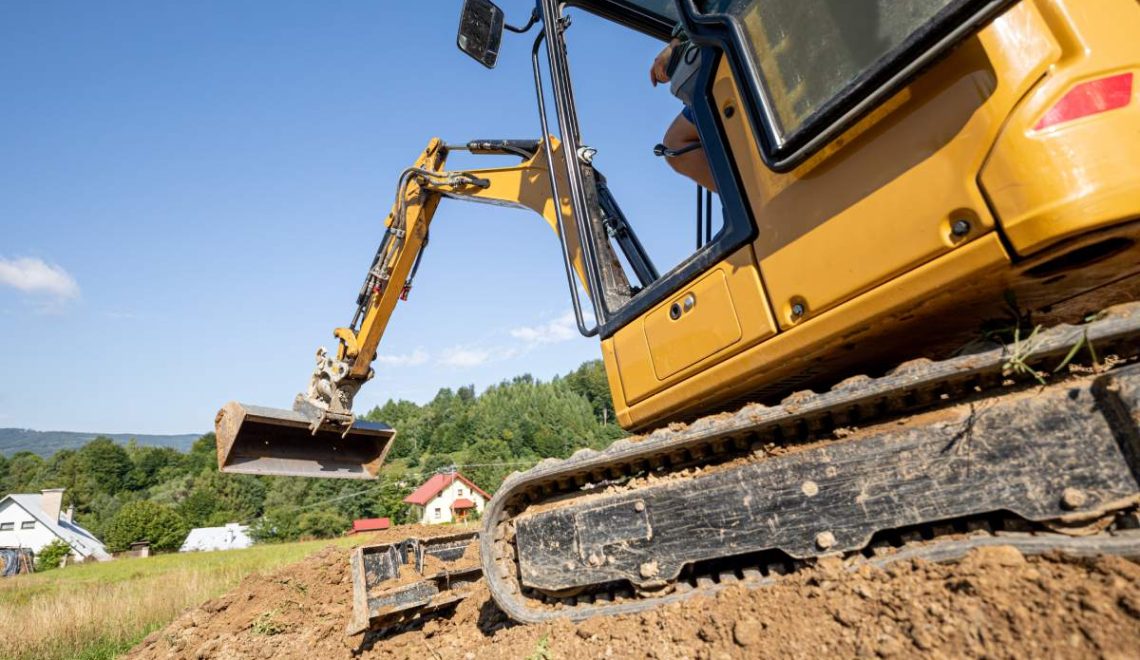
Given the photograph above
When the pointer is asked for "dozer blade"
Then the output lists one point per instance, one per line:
(270, 441)
(437, 574)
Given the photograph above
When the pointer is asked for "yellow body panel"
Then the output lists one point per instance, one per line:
(885, 201)
(860, 234)
(1055, 183)
(789, 353)
(700, 323)
(728, 316)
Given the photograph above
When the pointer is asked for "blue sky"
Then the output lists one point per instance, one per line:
(190, 194)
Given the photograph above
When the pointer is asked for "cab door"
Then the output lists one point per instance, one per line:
(720, 313)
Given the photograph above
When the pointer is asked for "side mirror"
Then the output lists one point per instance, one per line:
(481, 31)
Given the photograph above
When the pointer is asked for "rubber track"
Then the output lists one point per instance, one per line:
(915, 385)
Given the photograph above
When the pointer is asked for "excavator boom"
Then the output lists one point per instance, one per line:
(320, 436)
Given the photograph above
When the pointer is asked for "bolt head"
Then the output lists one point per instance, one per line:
(810, 488)
(824, 540)
(960, 227)
(639, 506)
(798, 310)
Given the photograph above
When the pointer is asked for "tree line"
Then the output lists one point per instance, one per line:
(124, 494)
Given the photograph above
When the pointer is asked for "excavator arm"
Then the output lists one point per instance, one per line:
(320, 436)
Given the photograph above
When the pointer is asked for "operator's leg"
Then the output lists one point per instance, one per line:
(694, 164)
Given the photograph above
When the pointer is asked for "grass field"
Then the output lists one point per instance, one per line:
(101, 610)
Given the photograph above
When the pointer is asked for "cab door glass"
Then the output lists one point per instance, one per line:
(810, 51)
(623, 116)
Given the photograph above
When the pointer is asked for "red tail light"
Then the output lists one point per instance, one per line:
(1089, 98)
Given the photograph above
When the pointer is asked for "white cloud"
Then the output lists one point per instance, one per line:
(416, 357)
(36, 276)
(559, 330)
(464, 357)
(526, 339)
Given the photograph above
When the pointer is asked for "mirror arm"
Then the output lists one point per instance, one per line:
(529, 24)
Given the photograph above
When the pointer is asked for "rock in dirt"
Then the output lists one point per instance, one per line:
(747, 631)
(998, 555)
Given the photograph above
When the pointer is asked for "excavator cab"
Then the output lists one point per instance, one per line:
(871, 191)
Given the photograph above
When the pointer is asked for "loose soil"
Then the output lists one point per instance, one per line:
(995, 603)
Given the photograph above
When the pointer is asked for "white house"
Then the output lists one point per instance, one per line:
(445, 498)
(33, 520)
(230, 537)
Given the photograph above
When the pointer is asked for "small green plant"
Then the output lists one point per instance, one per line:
(266, 625)
(542, 649)
(1084, 342)
(51, 555)
(1015, 363)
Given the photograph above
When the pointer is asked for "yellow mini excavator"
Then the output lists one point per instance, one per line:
(915, 333)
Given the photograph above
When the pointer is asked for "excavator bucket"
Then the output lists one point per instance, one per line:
(258, 440)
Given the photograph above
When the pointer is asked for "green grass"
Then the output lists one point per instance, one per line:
(96, 611)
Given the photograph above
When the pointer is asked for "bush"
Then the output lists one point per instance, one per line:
(146, 521)
(277, 525)
(51, 555)
(322, 524)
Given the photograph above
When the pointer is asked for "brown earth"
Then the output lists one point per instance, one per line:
(995, 603)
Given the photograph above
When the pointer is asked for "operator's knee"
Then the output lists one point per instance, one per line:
(694, 165)
(680, 133)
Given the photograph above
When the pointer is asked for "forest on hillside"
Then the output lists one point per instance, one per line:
(127, 493)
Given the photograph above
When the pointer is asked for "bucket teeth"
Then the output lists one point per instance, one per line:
(270, 441)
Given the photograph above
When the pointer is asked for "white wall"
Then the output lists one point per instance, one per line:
(456, 490)
(35, 538)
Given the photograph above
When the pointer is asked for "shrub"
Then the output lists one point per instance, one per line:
(146, 521)
(322, 524)
(51, 555)
(277, 525)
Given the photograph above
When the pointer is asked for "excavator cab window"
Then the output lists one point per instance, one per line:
(809, 52)
(814, 67)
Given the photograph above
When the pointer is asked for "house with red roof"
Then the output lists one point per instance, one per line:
(446, 497)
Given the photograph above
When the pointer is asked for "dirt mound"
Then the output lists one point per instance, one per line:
(995, 603)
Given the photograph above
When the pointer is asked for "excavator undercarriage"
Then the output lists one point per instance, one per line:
(1034, 444)
(923, 458)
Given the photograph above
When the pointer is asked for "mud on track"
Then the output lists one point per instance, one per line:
(995, 603)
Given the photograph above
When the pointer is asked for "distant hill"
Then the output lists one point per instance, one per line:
(46, 443)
